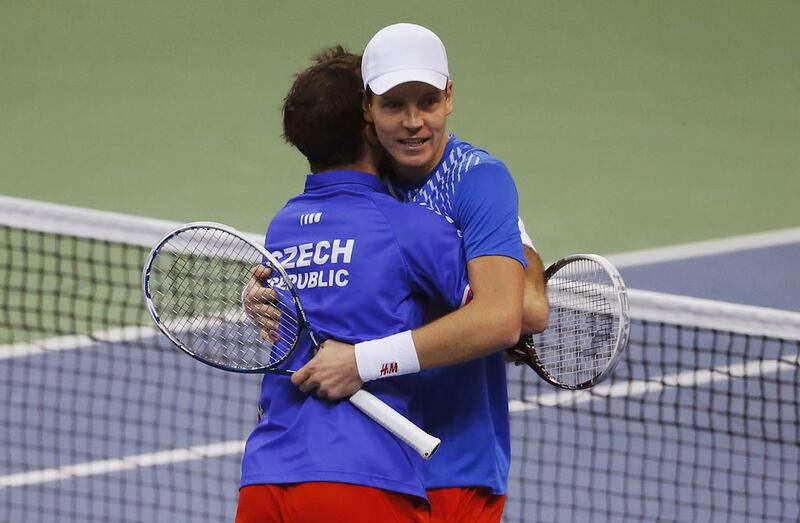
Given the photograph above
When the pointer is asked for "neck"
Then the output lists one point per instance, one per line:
(365, 165)
(411, 174)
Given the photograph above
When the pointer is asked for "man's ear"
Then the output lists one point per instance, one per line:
(448, 97)
(370, 136)
(366, 107)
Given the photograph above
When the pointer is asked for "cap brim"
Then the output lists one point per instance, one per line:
(387, 81)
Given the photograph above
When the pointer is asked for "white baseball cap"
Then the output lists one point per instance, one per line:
(403, 53)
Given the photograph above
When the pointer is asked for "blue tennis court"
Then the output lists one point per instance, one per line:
(696, 425)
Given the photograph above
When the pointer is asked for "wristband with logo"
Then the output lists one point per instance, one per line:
(393, 355)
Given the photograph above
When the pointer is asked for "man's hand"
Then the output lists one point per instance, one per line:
(331, 373)
(535, 309)
(523, 352)
(259, 303)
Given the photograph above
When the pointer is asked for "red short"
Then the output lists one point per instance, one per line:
(465, 505)
(314, 502)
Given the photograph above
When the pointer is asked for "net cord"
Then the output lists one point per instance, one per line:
(88, 223)
(714, 315)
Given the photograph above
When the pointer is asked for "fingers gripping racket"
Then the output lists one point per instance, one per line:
(588, 326)
(194, 282)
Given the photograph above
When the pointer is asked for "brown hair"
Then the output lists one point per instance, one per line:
(322, 114)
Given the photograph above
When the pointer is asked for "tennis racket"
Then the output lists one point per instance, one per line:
(588, 327)
(194, 281)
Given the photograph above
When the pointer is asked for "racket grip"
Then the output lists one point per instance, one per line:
(425, 444)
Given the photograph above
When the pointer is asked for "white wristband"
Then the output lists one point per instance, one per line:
(390, 356)
(526, 240)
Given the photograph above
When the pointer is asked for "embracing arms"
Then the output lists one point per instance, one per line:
(507, 300)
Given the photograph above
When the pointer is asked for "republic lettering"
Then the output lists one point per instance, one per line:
(315, 279)
(341, 279)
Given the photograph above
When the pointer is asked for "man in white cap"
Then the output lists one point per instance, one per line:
(409, 95)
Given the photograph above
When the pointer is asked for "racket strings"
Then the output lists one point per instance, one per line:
(197, 283)
(580, 340)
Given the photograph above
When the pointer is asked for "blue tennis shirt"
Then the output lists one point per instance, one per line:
(466, 405)
(365, 266)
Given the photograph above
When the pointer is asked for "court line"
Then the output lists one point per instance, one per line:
(236, 447)
(706, 248)
(645, 305)
(75, 341)
(125, 463)
(693, 378)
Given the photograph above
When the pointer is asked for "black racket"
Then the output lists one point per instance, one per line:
(588, 327)
(194, 281)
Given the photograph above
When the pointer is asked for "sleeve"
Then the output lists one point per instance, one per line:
(524, 236)
(433, 253)
(486, 209)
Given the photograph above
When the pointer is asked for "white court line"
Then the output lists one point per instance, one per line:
(74, 342)
(706, 248)
(640, 387)
(109, 466)
(117, 335)
(234, 447)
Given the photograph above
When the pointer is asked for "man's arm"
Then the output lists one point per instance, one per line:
(490, 322)
(487, 324)
(534, 303)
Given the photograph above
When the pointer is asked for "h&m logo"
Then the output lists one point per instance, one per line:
(387, 369)
(313, 217)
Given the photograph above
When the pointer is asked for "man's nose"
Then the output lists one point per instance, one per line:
(413, 118)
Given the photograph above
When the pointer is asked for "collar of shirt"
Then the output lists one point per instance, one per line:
(330, 178)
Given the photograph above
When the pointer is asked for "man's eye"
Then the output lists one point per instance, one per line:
(429, 103)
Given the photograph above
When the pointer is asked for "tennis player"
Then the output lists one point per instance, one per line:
(361, 270)
(409, 95)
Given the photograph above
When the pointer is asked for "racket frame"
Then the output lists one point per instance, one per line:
(423, 443)
(623, 328)
(151, 308)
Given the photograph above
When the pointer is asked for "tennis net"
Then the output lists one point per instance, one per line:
(102, 420)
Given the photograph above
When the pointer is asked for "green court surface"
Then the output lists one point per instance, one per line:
(626, 124)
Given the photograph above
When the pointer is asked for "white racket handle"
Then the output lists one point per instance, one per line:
(425, 444)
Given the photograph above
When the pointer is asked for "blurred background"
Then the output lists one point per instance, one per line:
(626, 124)
(630, 126)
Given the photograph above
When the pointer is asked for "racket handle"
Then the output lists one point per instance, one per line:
(425, 444)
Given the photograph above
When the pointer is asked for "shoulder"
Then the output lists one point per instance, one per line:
(281, 215)
(486, 178)
(468, 160)
(411, 218)
(417, 228)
